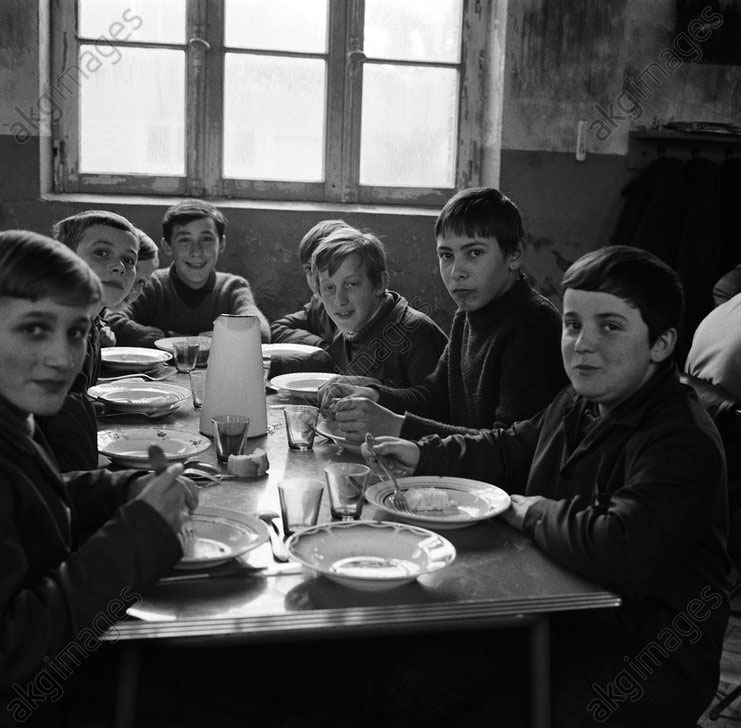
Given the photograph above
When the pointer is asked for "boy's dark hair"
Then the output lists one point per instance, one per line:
(636, 276)
(33, 266)
(189, 210)
(148, 249)
(482, 212)
(333, 250)
(314, 236)
(70, 230)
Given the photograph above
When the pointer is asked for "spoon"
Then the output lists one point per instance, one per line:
(280, 552)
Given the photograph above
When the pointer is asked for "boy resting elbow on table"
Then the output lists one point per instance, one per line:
(622, 480)
(186, 298)
(502, 361)
(379, 335)
(76, 550)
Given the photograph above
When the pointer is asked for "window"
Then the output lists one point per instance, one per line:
(369, 101)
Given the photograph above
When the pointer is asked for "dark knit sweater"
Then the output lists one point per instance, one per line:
(160, 311)
(398, 346)
(311, 325)
(502, 363)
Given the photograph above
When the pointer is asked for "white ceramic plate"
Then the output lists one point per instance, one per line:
(289, 349)
(220, 535)
(474, 501)
(133, 396)
(301, 384)
(371, 555)
(129, 448)
(204, 342)
(325, 428)
(132, 358)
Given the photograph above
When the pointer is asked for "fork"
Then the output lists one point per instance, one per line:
(398, 499)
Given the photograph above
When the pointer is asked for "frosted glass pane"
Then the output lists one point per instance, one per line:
(408, 133)
(285, 25)
(132, 112)
(274, 118)
(418, 30)
(156, 21)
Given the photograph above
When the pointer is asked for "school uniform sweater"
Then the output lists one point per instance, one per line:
(502, 363)
(166, 307)
(74, 554)
(398, 346)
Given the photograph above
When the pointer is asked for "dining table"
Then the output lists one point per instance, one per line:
(499, 578)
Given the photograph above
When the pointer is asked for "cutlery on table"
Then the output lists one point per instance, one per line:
(280, 552)
(140, 376)
(398, 499)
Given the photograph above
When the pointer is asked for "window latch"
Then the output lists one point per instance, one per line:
(199, 41)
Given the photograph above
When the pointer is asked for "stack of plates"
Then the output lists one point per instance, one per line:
(133, 359)
(301, 384)
(133, 395)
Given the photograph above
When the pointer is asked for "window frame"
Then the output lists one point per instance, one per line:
(204, 76)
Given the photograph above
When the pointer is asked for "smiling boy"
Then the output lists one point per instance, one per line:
(622, 480)
(379, 335)
(502, 361)
(187, 297)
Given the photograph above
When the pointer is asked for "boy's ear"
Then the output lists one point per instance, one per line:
(515, 258)
(663, 347)
(165, 245)
(383, 285)
(222, 243)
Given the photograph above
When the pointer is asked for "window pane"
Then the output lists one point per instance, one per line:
(139, 128)
(418, 30)
(285, 25)
(160, 21)
(274, 118)
(408, 132)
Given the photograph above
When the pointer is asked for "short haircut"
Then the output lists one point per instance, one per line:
(189, 210)
(314, 236)
(482, 212)
(636, 276)
(33, 266)
(148, 249)
(343, 242)
(70, 230)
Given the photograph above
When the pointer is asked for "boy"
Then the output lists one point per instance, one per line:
(108, 243)
(187, 297)
(311, 325)
(379, 335)
(622, 480)
(502, 361)
(72, 548)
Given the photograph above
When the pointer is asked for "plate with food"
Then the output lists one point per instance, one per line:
(139, 396)
(301, 384)
(130, 447)
(371, 555)
(441, 502)
(213, 536)
(204, 346)
(133, 358)
(330, 430)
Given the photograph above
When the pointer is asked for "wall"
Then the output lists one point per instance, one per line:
(564, 60)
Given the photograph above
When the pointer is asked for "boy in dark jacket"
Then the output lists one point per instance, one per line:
(622, 480)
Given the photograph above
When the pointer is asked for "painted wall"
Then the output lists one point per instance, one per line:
(563, 60)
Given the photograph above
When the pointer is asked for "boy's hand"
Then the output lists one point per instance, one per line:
(520, 504)
(172, 496)
(357, 415)
(344, 387)
(400, 455)
(107, 337)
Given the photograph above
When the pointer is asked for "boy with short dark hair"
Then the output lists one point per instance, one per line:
(187, 297)
(502, 361)
(379, 335)
(311, 325)
(622, 480)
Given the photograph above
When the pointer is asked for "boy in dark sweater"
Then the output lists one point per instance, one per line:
(502, 362)
(187, 297)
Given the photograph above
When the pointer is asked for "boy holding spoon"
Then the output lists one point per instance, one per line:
(75, 550)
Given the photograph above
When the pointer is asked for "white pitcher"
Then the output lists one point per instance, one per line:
(235, 384)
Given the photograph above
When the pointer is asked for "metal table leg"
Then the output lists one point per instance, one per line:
(128, 679)
(540, 673)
